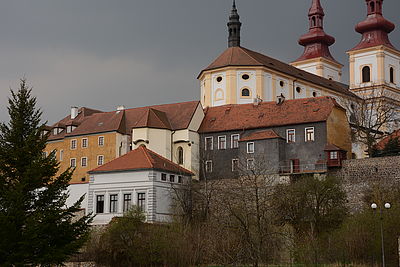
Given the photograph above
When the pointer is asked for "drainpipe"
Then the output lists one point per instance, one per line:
(172, 139)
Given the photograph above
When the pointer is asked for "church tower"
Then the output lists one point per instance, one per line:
(316, 57)
(375, 62)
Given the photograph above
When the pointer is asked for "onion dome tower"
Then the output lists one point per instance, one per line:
(316, 57)
(374, 61)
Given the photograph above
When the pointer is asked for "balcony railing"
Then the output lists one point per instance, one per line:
(302, 168)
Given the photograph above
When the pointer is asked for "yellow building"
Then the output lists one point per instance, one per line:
(89, 138)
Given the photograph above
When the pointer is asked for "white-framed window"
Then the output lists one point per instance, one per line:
(113, 203)
(72, 162)
(84, 161)
(209, 143)
(100, 204)
(172, 178)
(250, 147)
(309, 134)
(101, 141)
(163, 177)
(100, 160)
(180, 179)
(127, 202)
(250, 164)
(61, 155)
(73, 144)
(209, 166)
(222, 142)
(141, 201)
(235, 140)
(333, 155)
(85, 142)
(235, 165)
(290, 135)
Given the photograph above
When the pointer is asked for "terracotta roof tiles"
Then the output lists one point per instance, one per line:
(261, 135)
(141, 159)
(267, 114)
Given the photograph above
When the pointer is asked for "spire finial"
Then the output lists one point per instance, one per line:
(234, 26)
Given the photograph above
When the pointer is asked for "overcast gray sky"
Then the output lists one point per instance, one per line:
(105, 53)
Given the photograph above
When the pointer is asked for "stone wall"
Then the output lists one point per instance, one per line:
(358, 174)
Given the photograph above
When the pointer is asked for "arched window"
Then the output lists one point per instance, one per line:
(366, 74)
(180, 155)
(245, 92)
(313, 22)
(391, 74)
(372, 7)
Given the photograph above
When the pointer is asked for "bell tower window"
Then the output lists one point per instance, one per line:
(372, 5)
(366, 74)
(180, 155)
(391, 73)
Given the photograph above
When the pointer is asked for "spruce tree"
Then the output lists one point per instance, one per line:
(36, 227)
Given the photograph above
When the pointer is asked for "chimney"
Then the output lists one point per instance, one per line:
(120, 108)
(74, 112)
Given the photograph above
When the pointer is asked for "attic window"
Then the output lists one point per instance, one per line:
(245, 77)
(219, 79)
(100, 124)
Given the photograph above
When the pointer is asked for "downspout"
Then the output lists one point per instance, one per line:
(172, 153)
(294, 89)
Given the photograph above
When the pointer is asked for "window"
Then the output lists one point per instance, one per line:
(333, 155)
(73, 144)
(55, 131)
(84, 142)
(209, 166)
(70, 128)
(245, 92)
(250, 147)
(245, 77)
(113, 203)
(219, 79)
(282, 83)
(314, 94)
(180, 155)
(100, 204)
(163, 177)
(291, 135)
(101, 140)
(366, 74)
(391, 74)
(141, 201)
(61, 154)
(73, 163)
(180, 180)
(222, 142)
(298, 89)
(84, 161)
(309, 134)
(172, 178)
(250, 164)
(100, 160)
(127, 202)
(235, 140)
(235, 165)
(209, 143)
(44, 154)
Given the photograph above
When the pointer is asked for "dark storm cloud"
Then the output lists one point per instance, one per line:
(103, 53)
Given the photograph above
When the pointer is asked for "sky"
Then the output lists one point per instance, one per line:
(105, 53)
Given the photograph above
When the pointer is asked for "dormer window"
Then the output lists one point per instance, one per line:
(70, 128)
(57, 130)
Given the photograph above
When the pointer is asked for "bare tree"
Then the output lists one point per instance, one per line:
(373, 117)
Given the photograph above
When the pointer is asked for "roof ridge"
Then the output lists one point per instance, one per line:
(145, 151)
(245, 50)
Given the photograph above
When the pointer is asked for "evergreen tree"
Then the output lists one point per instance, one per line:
(36, 227)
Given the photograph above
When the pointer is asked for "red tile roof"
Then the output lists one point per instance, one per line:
(261, 135)
(240, 56)
(175, 116)
(381, 144)
(332, 147)
(141, 159)
(267, 114)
